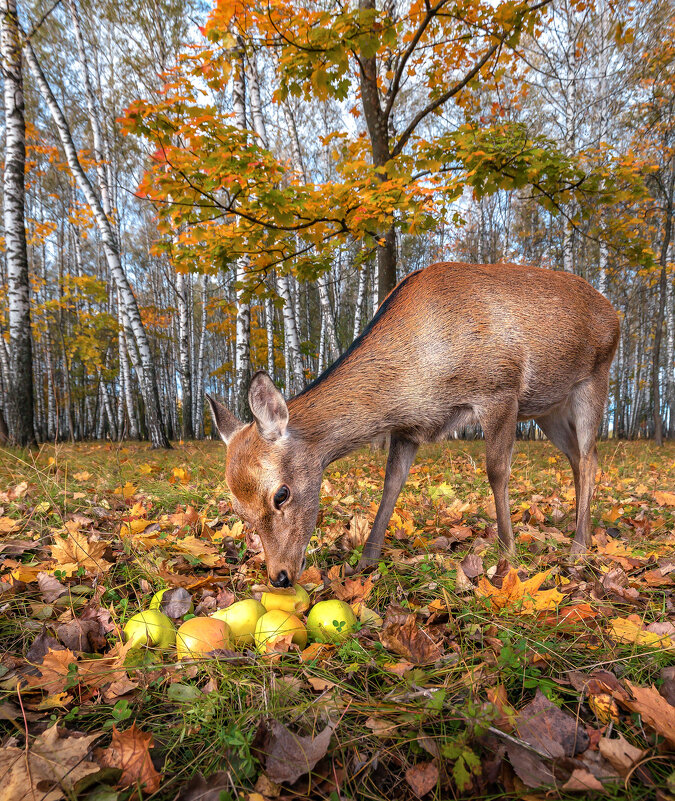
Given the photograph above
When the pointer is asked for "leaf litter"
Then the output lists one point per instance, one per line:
(468, 674)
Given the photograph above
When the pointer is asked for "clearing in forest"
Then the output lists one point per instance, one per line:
(466, 676)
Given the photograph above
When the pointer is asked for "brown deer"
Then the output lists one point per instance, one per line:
(452, 344)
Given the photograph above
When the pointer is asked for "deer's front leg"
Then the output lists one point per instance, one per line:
(401, 456)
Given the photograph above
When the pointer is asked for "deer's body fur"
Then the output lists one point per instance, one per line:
(452, 344)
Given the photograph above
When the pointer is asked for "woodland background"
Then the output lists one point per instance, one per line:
(192, 193)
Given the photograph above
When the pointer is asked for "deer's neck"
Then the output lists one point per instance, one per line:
(338, 414)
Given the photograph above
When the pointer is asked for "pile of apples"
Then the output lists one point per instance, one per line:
(275, 616)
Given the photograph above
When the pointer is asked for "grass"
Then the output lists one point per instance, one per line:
(387, 718)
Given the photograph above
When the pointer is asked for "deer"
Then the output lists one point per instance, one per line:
(452, 344)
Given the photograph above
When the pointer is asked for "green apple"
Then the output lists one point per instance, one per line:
(275, 624)
(241, 617)
(151, 627)
(201, 635)
(331, 621)
(295, 601)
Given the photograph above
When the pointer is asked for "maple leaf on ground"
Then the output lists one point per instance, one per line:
(288, 756)
(51, 768)
(56, 672)
(520, 596)
(76, 550)
(129, 751)
(353, 589)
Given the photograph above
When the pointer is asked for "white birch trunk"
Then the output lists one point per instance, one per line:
(296, 377)
(199, 378)
(242, 348)
(360, 299)
(184, 354)
(106, 232)
(16, 254)
(269, 319)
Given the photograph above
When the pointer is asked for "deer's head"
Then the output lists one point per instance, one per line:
(273, 478)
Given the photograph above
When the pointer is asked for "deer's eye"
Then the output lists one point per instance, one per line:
(281, 496)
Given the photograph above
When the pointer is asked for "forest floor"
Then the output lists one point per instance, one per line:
(466, 677)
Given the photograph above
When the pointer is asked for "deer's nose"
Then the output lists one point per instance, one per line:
(281, 580)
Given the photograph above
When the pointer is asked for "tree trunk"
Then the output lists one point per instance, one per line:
(269, 321)
(184, 355)
(377, 125)
(292, 340)
(199, 378)
(360, 300)
(18, 288)
(660, 315)
(149, 381)
(242, 359)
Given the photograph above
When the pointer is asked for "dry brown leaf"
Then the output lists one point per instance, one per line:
(130, 752)
(581, 781)
(353, 589)
(422, 777)
(76, 550)
(550, 729)
(657, 713)
(54, 672)
(50, 770)
(288, 756)
(50, 587)
(403, 636)
(620, 754)
(664, 498)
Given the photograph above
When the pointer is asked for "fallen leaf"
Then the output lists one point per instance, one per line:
(472, 565)
(209, 789)
(625, 630)
(664, 498)
(422, 777)
(620, 754)
(550, 729)
(581, 781)
(130, 752)
(353, 589)
(521, 596)
(82, 635)
(76, 550)
(530, 768)
(401, 634)
(50, 587)
(49, 770)
(55, 672)
(653, 709)
(176, 602)
(287, 756)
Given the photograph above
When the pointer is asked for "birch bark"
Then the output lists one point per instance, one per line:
(184, 354)
(18, 290)
(242, 358)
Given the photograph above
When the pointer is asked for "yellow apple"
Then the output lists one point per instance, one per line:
(275, 624)
(331, 621)
(241, 617)
(296, 601)
(152, 628)
(201, 635)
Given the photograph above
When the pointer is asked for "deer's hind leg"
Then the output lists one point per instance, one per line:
(587, 403)
(559, 427)
(499, 427)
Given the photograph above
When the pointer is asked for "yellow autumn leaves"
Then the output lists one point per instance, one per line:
(524, 597)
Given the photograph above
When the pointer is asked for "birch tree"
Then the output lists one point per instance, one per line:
(18, 293)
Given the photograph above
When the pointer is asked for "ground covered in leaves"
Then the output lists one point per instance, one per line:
(467, 678)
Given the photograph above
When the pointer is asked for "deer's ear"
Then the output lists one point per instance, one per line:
(267, 406)
(224, 420)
